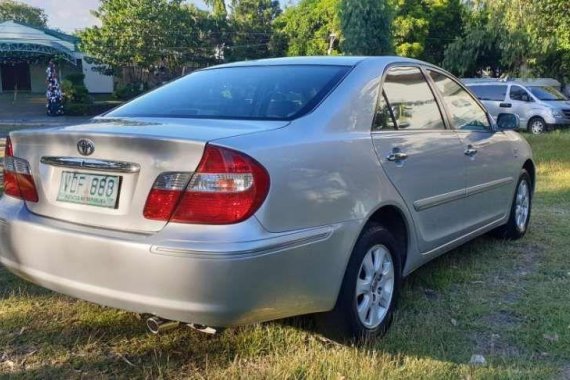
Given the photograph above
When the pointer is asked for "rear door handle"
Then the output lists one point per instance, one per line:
(505, 105)
(470, 151)
(396, 156)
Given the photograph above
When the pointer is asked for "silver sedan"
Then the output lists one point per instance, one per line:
(265, 189)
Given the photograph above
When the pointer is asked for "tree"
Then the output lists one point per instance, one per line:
(19, 12)
(445, 24)
(366, 27)
(218, 8)
(496, 38)
(411, 27)
(423, 28)
(251, 27)
(550, 32)
(148, 36)
(220, 33)
(310, 28)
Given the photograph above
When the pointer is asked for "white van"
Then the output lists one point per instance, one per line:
(539, 107)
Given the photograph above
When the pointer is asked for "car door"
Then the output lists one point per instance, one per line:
(521, 103)
(488, 154)
(420, 156)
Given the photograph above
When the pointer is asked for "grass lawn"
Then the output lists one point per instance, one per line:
(507, 301)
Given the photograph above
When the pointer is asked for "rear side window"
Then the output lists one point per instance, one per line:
(252, 92)
(384, 117)
(408, 102)
(466, 114)
(492, 92)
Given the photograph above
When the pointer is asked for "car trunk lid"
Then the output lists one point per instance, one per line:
(128, 156)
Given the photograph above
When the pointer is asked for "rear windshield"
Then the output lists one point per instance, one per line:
(546, 93)
(490, 92)
(252, 92)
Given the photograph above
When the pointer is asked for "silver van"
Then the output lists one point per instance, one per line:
(539, 107)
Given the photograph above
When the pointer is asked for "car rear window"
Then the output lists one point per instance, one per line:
(491, 92)
(250, 92)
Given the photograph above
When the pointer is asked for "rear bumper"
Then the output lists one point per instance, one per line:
(220, 284)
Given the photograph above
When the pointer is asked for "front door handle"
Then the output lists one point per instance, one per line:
(505, 105)
(470, 151)
(396, 156)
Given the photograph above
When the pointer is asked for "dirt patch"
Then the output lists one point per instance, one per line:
(566, 372)
(494, 341)
(492, 344)
(503, 319)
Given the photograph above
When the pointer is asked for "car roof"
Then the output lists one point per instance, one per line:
(499, 83)
(496, 83)
(320, 60)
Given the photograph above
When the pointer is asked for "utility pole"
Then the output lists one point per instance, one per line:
(332, 39)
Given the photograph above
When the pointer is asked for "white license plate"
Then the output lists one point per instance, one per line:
(89, 189)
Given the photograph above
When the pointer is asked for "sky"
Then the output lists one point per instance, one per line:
(69, 15)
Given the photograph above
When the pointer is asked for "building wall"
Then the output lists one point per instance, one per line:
(38, 77)
(96, 82)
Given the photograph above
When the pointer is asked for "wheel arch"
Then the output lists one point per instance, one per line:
(531, 169)
(534, 117)
(392, 218)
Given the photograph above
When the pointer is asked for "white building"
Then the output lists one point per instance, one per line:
(25, 52)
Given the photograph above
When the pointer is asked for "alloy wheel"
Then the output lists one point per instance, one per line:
(537, 127)
(522, 205)
(375, 286)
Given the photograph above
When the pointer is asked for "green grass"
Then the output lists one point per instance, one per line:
(508, 301)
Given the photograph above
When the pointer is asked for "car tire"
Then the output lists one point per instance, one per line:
(521, 207)
(365, 312)
(537, 126)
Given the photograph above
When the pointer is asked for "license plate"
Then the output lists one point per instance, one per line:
(89, 189)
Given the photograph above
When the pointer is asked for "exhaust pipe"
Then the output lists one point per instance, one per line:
(158, 325)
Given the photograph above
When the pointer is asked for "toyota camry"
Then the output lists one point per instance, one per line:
(260, 190)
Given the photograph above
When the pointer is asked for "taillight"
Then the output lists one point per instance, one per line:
(165, 195)
(18, 180)
(228, 187)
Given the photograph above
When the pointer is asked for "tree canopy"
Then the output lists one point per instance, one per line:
(423, 28)
(251, 23)
(23, 13)
(468, 37)
(148, 34)
(366, 27)
(515, 37)
(310, 28)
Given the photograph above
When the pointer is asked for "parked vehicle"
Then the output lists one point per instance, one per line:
(539, 107)
(260, 190)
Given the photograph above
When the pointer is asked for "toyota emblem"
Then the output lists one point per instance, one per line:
(85, 147)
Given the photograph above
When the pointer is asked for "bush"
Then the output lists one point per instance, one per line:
(130, 91)
(75, 94)
(74, 90)
(76, 79)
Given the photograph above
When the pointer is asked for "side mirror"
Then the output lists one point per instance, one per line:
(508, 121)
